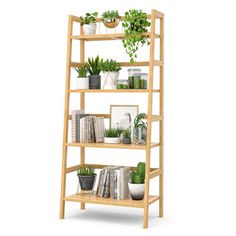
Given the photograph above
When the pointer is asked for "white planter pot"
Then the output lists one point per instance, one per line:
(136, 191)
(89, 29)
(111, 140)
(82, 83)
(110, 78)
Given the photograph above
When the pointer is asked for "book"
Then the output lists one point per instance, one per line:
(75, 127)
(124, 180)
(99, 129)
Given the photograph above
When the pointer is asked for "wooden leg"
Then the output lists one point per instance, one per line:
(63, 183)
(161, 196)
(82, 161)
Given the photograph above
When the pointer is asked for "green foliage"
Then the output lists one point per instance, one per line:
(135, 24)
(93, 65)
(85, 170)
(138, 176)
(89, 18)
(138, 121)
(111, 15)
(127, 133)
(82, 71)
(113, 133)
(110, 65)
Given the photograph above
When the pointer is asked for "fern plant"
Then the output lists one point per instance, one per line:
(110, 65)
(93, 65)
(113, 133)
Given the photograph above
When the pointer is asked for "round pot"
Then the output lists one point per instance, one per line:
(136, 191)
(111, 78)
(86, 182)
(111, 140)
(94, 81)
(82, 83)
(126, 140)
(89, 29)
(111, 23)
(140, 135)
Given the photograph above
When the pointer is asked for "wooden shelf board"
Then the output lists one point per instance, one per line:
(91, 198)
(125, 64)
(99, 37)
(111, 90)
(108, 145)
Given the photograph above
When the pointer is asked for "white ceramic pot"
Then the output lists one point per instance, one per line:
(136, 191)
(110, 78)
(111, 140)
(82, 83)
(89, 29)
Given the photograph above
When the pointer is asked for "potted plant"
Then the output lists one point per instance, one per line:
(86, 177)
(89, 23)
(135, 24)
(127, 136)
(93, 66)
(137, 179)
(140, 129)
(112, 135)
(110, 69)
(110, 18)
(82, 81)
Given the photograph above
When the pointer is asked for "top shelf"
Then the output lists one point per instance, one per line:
(97, 37)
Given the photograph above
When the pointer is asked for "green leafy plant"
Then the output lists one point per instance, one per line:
(110, 65)
(111, 15)
(82, 71)
(89, 18)
(93, 65)
(138, 176)
(135, 24)
(113, 133)
(127, 133)
(139, 121)
(85, 171)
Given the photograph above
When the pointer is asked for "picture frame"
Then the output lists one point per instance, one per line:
(122, 116)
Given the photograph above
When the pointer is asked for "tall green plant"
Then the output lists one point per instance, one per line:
(139, 121)
(93, 65)
(138, 176)
(135, 24)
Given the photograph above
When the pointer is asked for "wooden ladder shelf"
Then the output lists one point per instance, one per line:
(150, 172)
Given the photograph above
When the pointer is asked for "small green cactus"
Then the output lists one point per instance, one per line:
(138, 176)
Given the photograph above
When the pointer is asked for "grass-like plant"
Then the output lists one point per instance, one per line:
(139, 121)
(138, 176)
(82, 71)
(89, 18)
(135, 24)
(93, 65)
(85, 171)
(110, 65)
(127, 133)
(111, 15)
(113, 133)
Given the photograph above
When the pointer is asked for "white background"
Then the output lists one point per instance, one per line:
(199, 121)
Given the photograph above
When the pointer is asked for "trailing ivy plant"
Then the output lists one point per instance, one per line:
(135, 24)
(90, 18)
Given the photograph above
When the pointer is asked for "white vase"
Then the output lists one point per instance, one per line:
(136, 191)
(89, 29)
(110, 78)
(82, 83)
(111, 140)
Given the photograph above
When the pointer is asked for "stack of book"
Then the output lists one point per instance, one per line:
(86, 128)
(113, 182)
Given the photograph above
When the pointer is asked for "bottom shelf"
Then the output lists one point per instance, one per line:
(91, 198)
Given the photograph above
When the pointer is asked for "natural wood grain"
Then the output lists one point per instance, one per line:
(111, 91)
(102, 37)
(108, 145)
(125, 64)
(90, 198)
(66, 114)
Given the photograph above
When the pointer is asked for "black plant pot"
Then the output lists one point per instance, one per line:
(86, 182)
(94, 81)
(126, 140)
